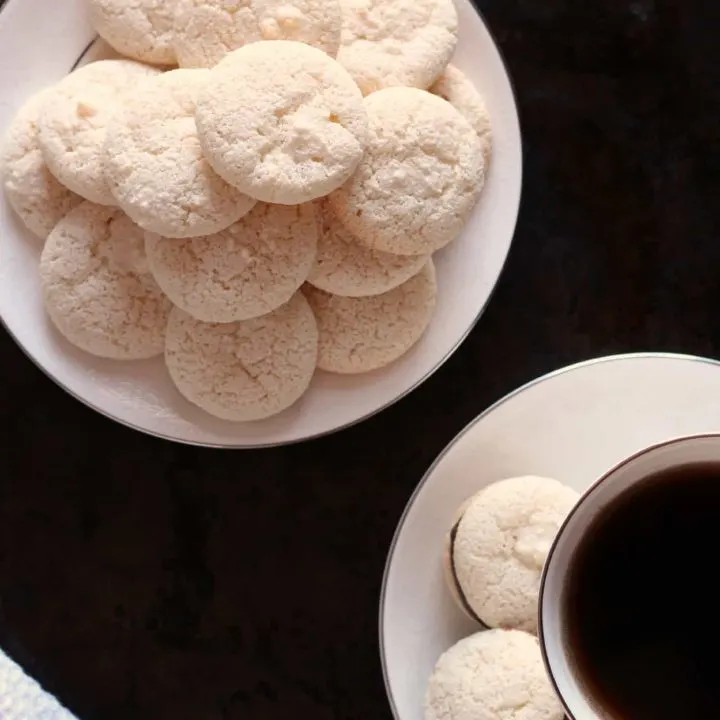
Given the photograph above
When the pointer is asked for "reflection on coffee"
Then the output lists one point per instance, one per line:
(642, 601)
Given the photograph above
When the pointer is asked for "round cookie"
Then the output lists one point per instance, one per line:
(155, 167)
(455, 87)
(140, 29)
(247, 370)
(362, 334)
(388, 43)
(282, 121)
(313, 22)
(497, 548)
(98, 288)
(31, 189)
(247, 270)
(421, 175)
(344, 266)
(492, 675)
(206, 31)
(72, 125)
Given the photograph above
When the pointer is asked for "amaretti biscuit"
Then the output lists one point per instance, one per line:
(155, 167)
(73, 123)
(140, 29)
(247, 270)
(419, 179)
(98, 288)
(497, 547)
(205, 31)
(397, 42)
(34, 193)
(492, 675)
(246, 370)
(366, 333)
(346, 267)
(282, 121)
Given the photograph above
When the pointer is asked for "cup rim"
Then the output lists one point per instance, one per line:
(581, 501)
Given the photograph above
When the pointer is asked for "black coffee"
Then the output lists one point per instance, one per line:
(643, 600)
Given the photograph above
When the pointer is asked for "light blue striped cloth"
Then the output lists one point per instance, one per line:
(21, 698)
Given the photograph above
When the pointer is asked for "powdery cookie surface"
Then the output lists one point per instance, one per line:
(492, 675)
(313, 22)
(98, 288)
(207, 30)
(72, 125)
(246, 370)
(140, 29)
(282, 121)
(501, 544)
(387, 43)
(249, 269)
(31, 189)
(455, 87)
(421, 175)
(362, 334)
(346, 267)
(155, 167)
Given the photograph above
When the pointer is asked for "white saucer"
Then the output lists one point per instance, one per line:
(571, 425)
(40, 40)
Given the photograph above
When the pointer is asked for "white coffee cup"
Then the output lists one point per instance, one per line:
(552, 626)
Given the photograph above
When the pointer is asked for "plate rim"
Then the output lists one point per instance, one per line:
(6, 4)
(619, 357)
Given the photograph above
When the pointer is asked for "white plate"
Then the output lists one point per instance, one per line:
(572, 425)
(40, 40)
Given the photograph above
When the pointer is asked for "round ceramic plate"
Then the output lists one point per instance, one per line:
(573, 425)
(141, 394)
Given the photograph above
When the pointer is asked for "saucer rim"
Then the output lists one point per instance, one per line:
(606, 359)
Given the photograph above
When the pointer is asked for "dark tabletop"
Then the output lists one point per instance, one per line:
(140, 579)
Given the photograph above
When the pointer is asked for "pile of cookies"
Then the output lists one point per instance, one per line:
(494, 556)
(253, 189)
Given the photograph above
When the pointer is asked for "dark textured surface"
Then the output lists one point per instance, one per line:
(142, 580)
